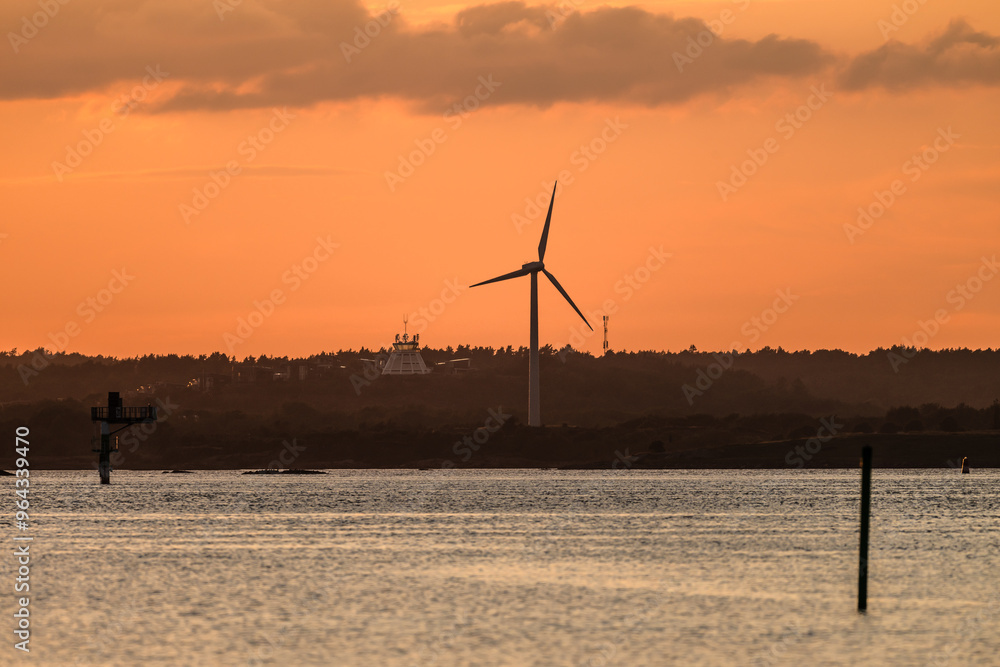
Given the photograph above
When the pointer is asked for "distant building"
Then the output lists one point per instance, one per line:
(293, 371)
(298, 371)
(209, 381)
(157, 388)
(456, 366)
(405, 357)
(250, 372)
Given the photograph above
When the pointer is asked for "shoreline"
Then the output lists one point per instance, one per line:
(558, 448)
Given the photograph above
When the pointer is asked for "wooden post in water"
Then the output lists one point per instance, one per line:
(866, 497)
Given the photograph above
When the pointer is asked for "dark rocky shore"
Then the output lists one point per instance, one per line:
(624, 447)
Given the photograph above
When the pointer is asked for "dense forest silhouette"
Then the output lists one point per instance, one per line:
(220, 405)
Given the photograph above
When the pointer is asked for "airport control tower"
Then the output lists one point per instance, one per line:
(405, 358)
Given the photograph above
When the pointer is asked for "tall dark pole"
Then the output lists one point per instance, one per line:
(866, 497)
(104, 465)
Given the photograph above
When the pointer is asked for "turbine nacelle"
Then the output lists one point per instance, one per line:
(530, 268)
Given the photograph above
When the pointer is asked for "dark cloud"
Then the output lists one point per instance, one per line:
(959, 56)
(266, 53)
(493, 19)
(281, 53)
(623, 55)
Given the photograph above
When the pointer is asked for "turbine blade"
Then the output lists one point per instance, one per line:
(563, 292)
(545, 231)
(506, 276)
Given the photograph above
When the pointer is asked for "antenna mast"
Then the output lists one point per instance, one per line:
(606, 318)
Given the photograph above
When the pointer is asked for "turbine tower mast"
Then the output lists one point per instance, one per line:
(533, 269)
(534, 385)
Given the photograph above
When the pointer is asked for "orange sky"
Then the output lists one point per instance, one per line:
(328, 131)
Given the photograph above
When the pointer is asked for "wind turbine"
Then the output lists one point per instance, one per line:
(532, 269)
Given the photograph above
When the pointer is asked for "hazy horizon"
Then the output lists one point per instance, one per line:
(516, 348)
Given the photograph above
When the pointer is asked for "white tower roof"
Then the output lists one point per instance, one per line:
(405, 358)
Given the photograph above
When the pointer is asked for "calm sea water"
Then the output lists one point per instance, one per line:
(509, 568)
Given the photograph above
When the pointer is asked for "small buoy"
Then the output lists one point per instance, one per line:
(965, 465)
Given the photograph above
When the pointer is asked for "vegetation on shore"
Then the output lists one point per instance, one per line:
(343, 413)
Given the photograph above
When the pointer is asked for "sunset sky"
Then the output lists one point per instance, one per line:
(180, 163)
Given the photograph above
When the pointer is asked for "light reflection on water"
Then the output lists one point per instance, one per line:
(511, 568)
